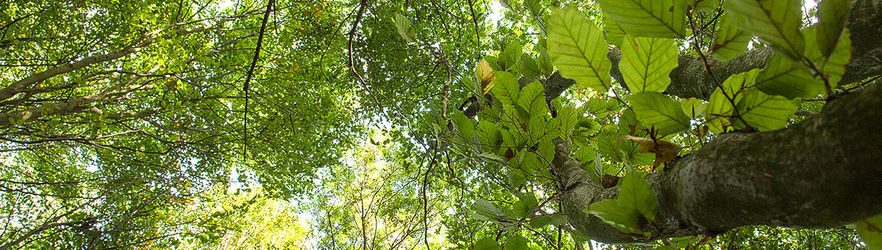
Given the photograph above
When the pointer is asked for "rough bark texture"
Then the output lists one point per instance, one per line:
(823, 172)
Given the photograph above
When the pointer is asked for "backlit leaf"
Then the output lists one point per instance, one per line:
(660, 111)
(646, 63)
(774, 21)
(636, 194)
(577, 48)
(729, 42)
(648, 18)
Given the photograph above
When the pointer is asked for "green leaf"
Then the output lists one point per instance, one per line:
(738, 82)
(569, 117)
(528, 67)
(787, 78)
(704, 5)
(535, 130)
(402, 24)
(486, 244)
(485, 208)
(543, 61)
(598, 165)
(540, 221)
(532, 100)
(505, 87)
(546, 150)
(624, 219)
(774, 21)
(488, 133)
(718, 111)
(656, 109)
(465, 126)
(646, 63)
(720, 108)
(552, 128)
(649, 18)
(614, 32)
(577, 48)
(833, 66)
(511, 55)
(491, 157)
(765, 112)
(515, 178)
(531, 162)
(693, 107)
(729, 42)
(516, 242)
(636, 194)
(870, 231)
(832, 15)
(558, 219)
(521, 209)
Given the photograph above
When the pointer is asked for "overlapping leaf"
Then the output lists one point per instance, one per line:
(765, 112)
(787, 78)
(832, 66)
(636, 194)
(729, 42)
(660, 111)
(505, 87)
(774, 21)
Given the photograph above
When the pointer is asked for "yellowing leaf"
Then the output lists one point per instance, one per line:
(664, 151)
(485, 74)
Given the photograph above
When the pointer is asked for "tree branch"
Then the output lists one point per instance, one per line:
(823, 172)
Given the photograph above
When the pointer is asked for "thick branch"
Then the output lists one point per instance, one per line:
(21, 85)
(823, 172)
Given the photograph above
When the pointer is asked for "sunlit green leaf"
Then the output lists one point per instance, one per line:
(516, 242)
(511, 55)
(788, 78)
(614, 33)
(402, 24)
(730, 41)
(646, 63)
(870, 231)
(649, 18)
(660, 111)
(636, 194)
(532, 99)
(765, 112)
(623, 219)
(774, 21)
(693, 107)
(833, 66)
(505, 87)
(577, 48)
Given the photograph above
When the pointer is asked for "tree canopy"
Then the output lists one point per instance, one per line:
(435, 124)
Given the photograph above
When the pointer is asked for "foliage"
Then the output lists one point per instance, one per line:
(415, 124)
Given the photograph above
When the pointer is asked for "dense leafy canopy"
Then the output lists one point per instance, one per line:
(515, 124)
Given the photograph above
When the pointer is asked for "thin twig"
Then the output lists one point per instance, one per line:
(245, 87)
